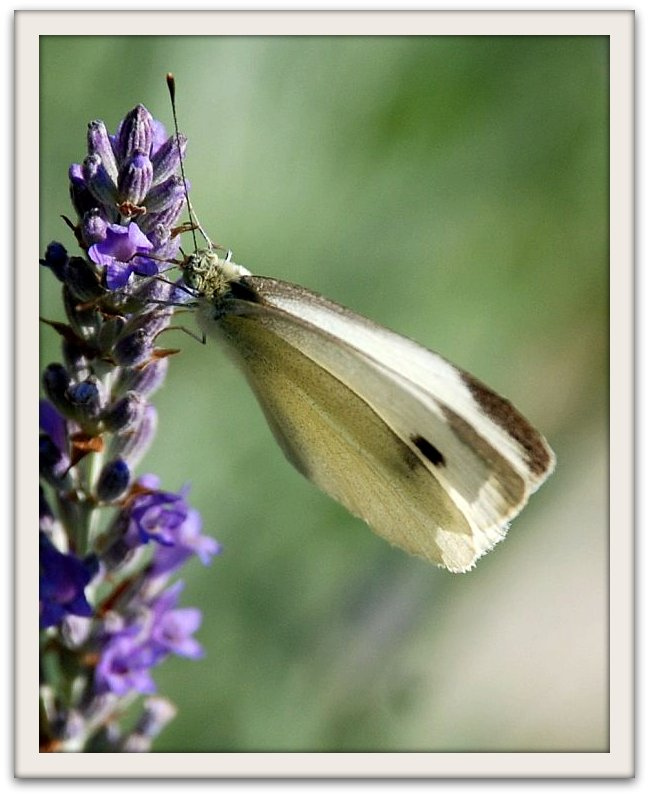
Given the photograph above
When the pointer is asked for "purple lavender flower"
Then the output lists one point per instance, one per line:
(173, 627)
(120, 254)
(157, 629)
(125, 666)
(156, 514)
(187, 541)
(63, 578)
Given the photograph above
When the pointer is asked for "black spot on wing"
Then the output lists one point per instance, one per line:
(433, 455)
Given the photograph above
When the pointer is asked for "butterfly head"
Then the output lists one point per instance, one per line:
(209, 276)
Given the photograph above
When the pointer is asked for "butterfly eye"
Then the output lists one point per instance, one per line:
(191, 277)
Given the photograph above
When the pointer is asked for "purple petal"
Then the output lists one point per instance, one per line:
(189, 648)
(117, 274)
(53, 424)
(149, 481)
(142, 266)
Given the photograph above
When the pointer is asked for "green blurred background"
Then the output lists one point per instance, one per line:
(455, 190)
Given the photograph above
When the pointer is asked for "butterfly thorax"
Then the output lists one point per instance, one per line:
(209, 276)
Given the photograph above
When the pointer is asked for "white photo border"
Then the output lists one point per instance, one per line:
(618, 761)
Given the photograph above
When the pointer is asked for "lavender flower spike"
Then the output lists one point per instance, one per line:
(112, 542)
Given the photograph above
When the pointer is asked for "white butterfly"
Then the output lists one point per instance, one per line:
(431, 458)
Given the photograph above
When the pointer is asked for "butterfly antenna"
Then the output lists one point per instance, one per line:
(194, 222)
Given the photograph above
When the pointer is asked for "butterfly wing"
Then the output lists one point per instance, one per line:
(429, 457)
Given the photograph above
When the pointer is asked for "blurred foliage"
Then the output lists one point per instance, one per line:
(454, 189)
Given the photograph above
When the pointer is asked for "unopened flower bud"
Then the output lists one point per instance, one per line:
(81, 279)
(167, 159)
(99, 144)
(80, 195)
(144, 380)
(132, 445)
(86, 399)
(165, 195)
(56, 259)
(135, 178)
(134, 348)
(165, 218)
(135, 133)
(56, 381)
(99, 182)
(113, 480)
(125, 414)
(93, 227)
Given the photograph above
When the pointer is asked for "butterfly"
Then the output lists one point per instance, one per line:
(427, 455)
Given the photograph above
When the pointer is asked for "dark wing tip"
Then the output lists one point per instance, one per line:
(539, 456)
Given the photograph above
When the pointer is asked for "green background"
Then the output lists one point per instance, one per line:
(455, 190)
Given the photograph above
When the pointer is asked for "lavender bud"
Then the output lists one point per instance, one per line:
(154, 321)
(135, 345)
(133, 349)
(99, 182)
(86, 399)
(133, 445)
(167, 246)
(56, 381)
(113, 480)
(135, 178)
(56, 259)
(143, 380)
(166, 218)
(159, 235)
(165, 195)
(154, 290)
(75, 175)
(81, 279)
(135, 133)
(125, 414)
(99, 144)
(80, 195)
(167, 160)
(84, 320)
(93, 227)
